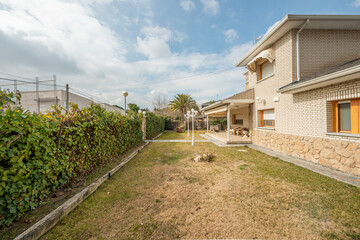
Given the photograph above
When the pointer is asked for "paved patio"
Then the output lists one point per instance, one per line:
(234, 139)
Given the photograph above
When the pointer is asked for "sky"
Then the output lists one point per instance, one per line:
(104, 47)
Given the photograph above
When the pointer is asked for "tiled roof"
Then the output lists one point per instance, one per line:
(327, 71)
(248, 94)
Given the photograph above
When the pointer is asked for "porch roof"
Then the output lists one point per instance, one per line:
(236, 101)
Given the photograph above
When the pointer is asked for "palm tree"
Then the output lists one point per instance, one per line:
(182, 103)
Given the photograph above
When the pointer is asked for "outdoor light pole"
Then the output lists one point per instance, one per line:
(143, 124)
(187, 116)
(193, 114)
(125, 94)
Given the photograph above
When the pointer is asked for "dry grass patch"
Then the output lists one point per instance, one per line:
(163, 194)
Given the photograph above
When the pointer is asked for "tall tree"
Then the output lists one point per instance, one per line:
(161, 104)
(182, 103)
(133, 107)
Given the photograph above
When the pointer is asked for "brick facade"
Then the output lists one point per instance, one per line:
(303, 120)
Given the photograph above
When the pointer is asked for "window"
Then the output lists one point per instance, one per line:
(267, 118)
(237, 120)
(346, 116)
(265, 70)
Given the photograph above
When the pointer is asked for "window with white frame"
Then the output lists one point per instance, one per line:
(237, 119)
(267, 118)
(265, 70)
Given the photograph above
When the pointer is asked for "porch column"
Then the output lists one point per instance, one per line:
(207, 123)
(228, 124)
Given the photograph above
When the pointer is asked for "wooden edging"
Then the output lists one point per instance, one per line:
(49, 221)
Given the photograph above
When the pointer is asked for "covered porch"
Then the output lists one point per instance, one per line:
(237, 110)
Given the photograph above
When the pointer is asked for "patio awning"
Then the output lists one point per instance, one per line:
(218, 110)
(238, 100)
(268, 54)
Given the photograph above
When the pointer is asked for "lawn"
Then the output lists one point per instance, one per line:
(172, 135)
(59, 197)
(163, 194)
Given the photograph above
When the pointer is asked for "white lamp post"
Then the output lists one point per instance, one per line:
(193, 114)
(143, 124)
(125, 94)
(187, 116)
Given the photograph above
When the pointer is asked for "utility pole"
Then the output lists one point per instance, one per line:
(37, 95)
(55, 93)
(67, 97)
(15, 91)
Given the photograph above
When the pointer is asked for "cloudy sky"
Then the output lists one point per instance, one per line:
(103, 47)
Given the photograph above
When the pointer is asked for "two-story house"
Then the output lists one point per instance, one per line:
(305, 78)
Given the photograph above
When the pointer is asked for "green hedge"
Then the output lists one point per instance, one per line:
(40, 153)
(155, 124)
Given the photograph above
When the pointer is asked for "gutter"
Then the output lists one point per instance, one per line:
(298, 49)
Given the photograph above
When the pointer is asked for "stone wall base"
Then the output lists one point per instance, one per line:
(337, 154)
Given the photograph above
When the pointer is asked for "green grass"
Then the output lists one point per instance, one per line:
(33, 216)
(163, 194)
(172, 135)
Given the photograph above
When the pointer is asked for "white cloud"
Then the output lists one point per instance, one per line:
(95, 57)
(230, 35)
(210, 6)
(187, 5)
(356, 3)
(155, 44)
(157, 32)
(154, 47)
(180, 36)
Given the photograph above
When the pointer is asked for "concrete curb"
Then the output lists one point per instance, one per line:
(157, 136)
(46, 223)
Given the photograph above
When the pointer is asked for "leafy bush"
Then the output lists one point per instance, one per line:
(168, 123)
(154, 125)
(40, 153)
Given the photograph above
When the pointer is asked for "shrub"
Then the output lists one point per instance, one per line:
(40, 153)
(155, 124)
(168, 123)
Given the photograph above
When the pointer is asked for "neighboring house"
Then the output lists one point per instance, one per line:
(305, 75)
(47, 98)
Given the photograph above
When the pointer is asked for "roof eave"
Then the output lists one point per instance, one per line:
(258, 44)
(323, 81)
(292, 17)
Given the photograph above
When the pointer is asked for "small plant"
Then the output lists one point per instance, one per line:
(243, 166)
(206, 157)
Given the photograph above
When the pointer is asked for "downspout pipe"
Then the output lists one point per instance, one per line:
(298, 49)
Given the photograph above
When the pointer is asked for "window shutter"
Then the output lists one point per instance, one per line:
(355, 115)
(262, 118)
(234, 118)
(335, 116)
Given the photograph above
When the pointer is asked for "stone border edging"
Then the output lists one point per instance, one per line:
(49, 221)
(157, 136)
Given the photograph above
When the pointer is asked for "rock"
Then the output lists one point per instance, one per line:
(349, 163)
(327, 153)
(318, 145)
(343, 152)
